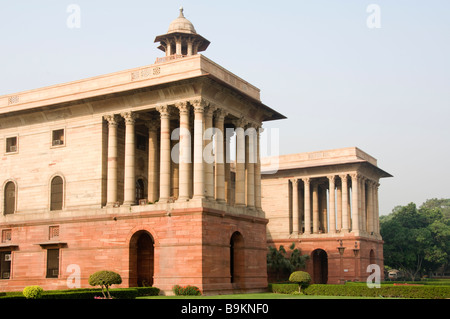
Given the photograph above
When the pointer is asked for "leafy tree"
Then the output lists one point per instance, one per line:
(282, 262)
(105, 279)
(302, 278)
(416, 240)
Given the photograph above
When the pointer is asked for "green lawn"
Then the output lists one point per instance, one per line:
(267, 295)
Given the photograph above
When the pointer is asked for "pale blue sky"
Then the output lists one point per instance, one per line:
(341, 84)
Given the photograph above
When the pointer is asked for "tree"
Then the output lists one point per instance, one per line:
(416, 240)
(281, 262)
(302, 278)
(105, 279)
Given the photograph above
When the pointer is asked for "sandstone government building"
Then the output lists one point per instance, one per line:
(93, 178)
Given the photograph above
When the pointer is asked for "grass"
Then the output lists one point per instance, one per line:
(266, 295)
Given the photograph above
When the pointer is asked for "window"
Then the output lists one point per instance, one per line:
(52, 263)
(10, 198)
(58, 137)
(5, 264)
(11, 144)
(56, 193)
(6, 236)
(53, 232)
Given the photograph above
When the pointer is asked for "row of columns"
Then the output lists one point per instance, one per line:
(337, 212)
(200, 178)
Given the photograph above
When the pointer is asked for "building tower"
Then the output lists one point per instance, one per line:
(181, 39)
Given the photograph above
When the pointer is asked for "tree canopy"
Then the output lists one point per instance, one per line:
(417, 240)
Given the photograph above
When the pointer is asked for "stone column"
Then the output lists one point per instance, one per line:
(199, 172)
(315, 205)
(258, 171)
(250, 163)
(364, 203)
(339, 206)
(331, 205)
(165, 159)
(209, 160)
(185, 152)
(178, 45)
(228, 189)
(153, 171)
(377, 210)
(295, 208)
(111, 196)
(307, 207)
(370, 198)
(240, 163)
(219, 156)
(355, 201)
(345, 226)
(130, 147)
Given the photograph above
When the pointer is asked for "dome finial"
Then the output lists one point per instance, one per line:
(181, 12)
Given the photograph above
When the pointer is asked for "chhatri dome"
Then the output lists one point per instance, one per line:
(181, 39)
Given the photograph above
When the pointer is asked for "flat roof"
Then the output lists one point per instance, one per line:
(340, 156)
(132, 79)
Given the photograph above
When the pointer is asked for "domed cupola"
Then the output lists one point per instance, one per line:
(181, 39)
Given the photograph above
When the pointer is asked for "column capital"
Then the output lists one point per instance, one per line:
(294, 181)
(199, 105)
(240, 122)
(343, 177)
(220, 114)
(183, 107)
(164, 110)
(332, 178)
(129, 117)
(306, 180)
(152, 125)
(112, 119)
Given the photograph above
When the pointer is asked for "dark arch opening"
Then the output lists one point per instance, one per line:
(237, 258)
(142, 257)
(320, 266)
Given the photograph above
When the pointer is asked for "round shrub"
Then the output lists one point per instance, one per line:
(33, 292)
(105, 279)
(302, 278)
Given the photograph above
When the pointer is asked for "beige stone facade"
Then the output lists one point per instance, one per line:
(323, 200)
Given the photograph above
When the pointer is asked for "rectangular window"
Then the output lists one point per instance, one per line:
(58, 137)
(6, 235)
(11, 144)
(5, 264)
(52, 263)
(53, 232)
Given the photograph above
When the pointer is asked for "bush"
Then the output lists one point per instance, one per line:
(302, 278)
(147, 291)
(105, 279)
(122, 293)
(186, 291)
(283, 288)
(389, 291)
(33, 292)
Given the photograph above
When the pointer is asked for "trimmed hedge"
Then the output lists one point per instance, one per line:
(88, 293)
(424, 292)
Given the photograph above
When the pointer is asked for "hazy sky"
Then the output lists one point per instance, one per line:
(341, 83)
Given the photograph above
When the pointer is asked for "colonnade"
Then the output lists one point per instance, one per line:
(203, 156)
(335, 204)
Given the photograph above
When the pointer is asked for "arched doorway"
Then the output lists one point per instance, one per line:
(237, 258)
(141, 259)
(320, 266)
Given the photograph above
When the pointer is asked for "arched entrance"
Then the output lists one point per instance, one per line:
(141, 259)
(320, 266)
(237, 258)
